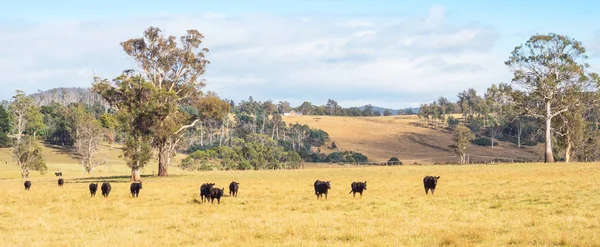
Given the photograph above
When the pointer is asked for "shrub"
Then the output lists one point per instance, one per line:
(483, 141)
(394, 161)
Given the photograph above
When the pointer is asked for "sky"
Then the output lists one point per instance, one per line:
(393, 54)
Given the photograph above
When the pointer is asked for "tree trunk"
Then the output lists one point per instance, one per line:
(548, 157)
(519, 135)
(201, 134)
(135, 174)
(493, 134)
(568, 150)
(163, 160)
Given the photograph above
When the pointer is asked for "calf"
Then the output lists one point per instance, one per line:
(205, 191)
(105, 189)
(233, 188)
(321, 187)
(27, 185)
(58, 174)
(93, 188)
(135, 188)
(61, 182)
(216, 193)
(430, 182)
(358, 187)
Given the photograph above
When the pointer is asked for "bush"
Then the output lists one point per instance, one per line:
(483, 141)
(452, 122)
(394, 161)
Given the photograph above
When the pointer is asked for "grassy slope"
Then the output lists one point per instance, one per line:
(383, 137)
(486, 205)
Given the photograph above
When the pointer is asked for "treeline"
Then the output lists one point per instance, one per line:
(332, 108)
(490, 117)
(249, 135)
(555, 101)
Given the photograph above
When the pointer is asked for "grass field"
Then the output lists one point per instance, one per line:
(380, 138)
(476, 205)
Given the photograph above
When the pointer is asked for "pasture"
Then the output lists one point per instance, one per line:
(380, 138)
(477, 205)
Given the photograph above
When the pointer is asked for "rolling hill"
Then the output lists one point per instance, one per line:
(380, 138)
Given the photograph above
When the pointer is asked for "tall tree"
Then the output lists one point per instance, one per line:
(138, 111)
(28, 154)
(20, 108)
(88, 138)
(461, 137)
(547, 67)
(173, 70)
(332, 107)
(283, 107)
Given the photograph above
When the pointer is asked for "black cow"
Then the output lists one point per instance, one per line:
(205, 191)
(216, 193)
(233, 188)
(105, 189)
(27, 185)
(358, 187)
(430, 182)
(93, 189)
(321, 187)
(58, 174)
(135, 188)
(61, 182)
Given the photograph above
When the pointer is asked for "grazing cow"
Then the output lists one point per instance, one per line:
(233, 188)
(27, 185)
(430, 182)
(216, 193)
(93, 188)
(205, 191)
(105, 189)
(135, 188)
(321, 187)
(358, 187)
(61, 182)
(58, 174)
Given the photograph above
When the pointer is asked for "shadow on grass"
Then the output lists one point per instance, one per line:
(114, 179)
(61, 149)
(110, 179)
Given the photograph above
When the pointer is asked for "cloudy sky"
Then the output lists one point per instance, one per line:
(387, 53)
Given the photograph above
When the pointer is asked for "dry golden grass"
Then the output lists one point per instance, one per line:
(380, 138)
(478, 205)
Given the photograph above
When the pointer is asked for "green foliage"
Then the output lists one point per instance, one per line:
(257, 152)
(387, 112)
(4, 128)
(60, 128)
(28, 155)
(452, 122)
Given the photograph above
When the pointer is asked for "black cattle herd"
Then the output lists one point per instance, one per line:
(209, 193)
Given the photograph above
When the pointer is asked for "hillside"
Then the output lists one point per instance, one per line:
(380, 138)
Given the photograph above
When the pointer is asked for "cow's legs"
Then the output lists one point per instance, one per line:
(432, 191)
(426, 191)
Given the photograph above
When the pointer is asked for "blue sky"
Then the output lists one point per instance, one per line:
(387, 53)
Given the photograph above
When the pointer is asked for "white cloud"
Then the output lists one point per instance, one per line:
(362, 59)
